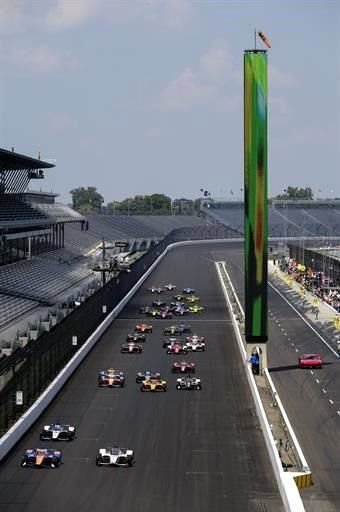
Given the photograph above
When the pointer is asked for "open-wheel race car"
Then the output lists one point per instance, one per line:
(188, 383)
(195, 308)
(164, 314)
(111, 378)
(158, 303)
(153, 385)
(176, 348)
(188, 291)
(183, 367)
(131, 348)
(177, 330)
(116, 457)
(157, 290)
(310, 361)
(195, 344)
(144, 328)
(137, 337)
(192, 299)
(58, 432)
(147, 375)
(170, 287)
(170, 341)
(41, 458)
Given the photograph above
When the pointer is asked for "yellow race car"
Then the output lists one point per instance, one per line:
(192, 299)
(154, 385)
(195, 308)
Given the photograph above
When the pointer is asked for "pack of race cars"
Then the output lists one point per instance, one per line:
(179, 340)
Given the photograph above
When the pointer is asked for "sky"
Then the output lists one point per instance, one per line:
(146, 96)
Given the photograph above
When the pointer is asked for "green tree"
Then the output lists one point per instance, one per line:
(296, 193)
(86, 200)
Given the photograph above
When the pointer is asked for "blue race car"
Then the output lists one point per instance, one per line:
(41, 457)
(188, 291)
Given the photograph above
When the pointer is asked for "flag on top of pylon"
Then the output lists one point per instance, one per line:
(264, 39)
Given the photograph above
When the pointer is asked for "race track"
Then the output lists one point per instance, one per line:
(200, 450)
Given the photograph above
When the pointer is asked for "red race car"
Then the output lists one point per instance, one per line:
(183, 367)
(143, 328)
(176, 348)
(131, 348)
(310, 361)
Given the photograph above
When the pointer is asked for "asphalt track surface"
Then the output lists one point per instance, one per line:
(306, 401)
(200, 450)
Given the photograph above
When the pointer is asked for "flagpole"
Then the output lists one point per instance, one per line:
(255, 37)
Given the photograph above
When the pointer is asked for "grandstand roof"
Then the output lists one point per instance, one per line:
(9, 160)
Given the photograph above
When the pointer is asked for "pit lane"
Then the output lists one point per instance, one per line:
(201, 450)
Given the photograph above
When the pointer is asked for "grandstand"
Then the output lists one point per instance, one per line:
(291, 218)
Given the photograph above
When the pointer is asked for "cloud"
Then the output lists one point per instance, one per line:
(38, 59)
(205, 85)
(169, 14)
(70, 13)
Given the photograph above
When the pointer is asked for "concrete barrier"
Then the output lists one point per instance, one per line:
(287, 486)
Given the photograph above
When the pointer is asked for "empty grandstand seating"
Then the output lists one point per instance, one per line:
(287, 220)
(12, 210)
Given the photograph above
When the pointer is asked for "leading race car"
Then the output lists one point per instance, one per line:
(41, 457)
(188, 291)
(144, 328)
(188, 383)
(116, 457)
(136, 337)
(111, 378)
(131, 348)
(196, 308)
(176, 348)
(147, 375)
(58, 432)
(153, 385)
(183, 367)
(195, 338)
(310, 361)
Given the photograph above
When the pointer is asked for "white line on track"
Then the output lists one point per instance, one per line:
(331, 402)
(317, 381)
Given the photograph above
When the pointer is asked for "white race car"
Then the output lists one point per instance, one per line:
(58, 432)
(170, 287)
(194, 344)
(114, 456)
(188, 383)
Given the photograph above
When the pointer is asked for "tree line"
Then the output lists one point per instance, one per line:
(89, 200)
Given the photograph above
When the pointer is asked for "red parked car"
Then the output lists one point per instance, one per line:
(310, 361)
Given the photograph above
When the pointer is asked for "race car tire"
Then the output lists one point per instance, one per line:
(24, 461)
(178, 388)
(98, 460)
(199, 387)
